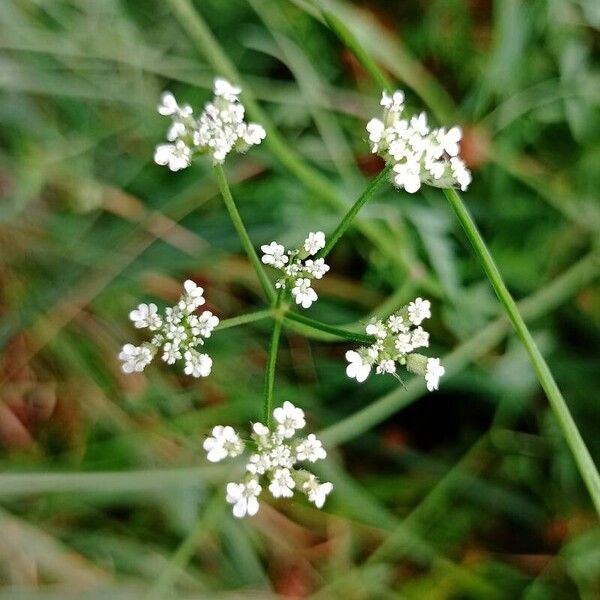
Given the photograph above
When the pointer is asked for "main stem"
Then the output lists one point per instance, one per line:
(242, 233)
(584, 461)
(349, 216)
(272, 360)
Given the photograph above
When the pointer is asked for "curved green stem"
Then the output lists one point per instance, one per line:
(242, 233)
(557, 402)
(349, 216)
(329, 329)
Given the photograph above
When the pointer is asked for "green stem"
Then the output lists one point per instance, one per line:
(242, 233)
(271, 362)
(349, 216)
(259, 315)
(557, 402)
(330, 329)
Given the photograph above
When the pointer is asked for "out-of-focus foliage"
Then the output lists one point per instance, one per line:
(467, 493)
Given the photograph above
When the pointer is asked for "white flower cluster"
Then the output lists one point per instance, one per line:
(276, 453)
(299, 270)
(218, 130)
(419, 153)
(395, 342)
(177, 333)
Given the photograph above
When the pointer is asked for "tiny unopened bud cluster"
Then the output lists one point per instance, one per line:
(298, 267)
(276, 452)
(218, 130)
(419, 154)
(396, 340)
(178, 333)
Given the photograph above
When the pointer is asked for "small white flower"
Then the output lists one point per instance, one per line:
(397, 325)
(176, 156)
(317, 492)
(419, 338)
(259, 464)
(393, 103)
(168, 106)
(433, 373)
(135, 358)
(281, 455)
(223, 443)
(224, 89)
(314, 242)
(403, 343)
(376, 329)
(205, 324)
(316, 268)
(193, 297)
(419, 310)
(386, 366)
(460, 173)
(408, 176)
(146, 315)
(196, 364)
(254, 134)
(282, 485)
(290, 418)
(303, 293)
(310, 449)
(171, 353)
(244, 497)
(357, 369)
(419, 124)
(274, 254)
(449, 141)
(375, 128)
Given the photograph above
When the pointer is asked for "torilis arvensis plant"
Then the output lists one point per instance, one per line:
(278, 456)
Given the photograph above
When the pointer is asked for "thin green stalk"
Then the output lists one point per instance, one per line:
(349, 216)
(242, 233)
(259, 315)
(557, 402)
(330, 329)
(271, 362)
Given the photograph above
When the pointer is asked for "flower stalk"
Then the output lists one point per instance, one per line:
(236, 219)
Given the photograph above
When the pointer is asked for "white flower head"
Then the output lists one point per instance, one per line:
(403, 343)
(419, 338)
(303, 293)
(418, 153)
(168, 106)
(244, 497)
(193, 296)
(274, 254)
(433, 373)
(357, 368)
(314, 242)
(223, 443)
(205, 324)
(289, 419)
(419, 310)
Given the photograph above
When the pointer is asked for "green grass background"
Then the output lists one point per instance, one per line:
(470, 492)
